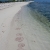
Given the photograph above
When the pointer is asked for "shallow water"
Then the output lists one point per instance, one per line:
(43, 8)
(41, 12)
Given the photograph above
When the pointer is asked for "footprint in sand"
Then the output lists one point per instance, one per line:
(20, 45)
(34, 41)
(19, 39)
(3, 26)
(3, 31)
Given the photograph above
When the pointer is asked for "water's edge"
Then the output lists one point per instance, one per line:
(40, 18)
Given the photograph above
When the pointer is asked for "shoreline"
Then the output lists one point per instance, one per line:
(40, 18)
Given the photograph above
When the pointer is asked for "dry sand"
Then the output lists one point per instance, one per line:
(20, 31)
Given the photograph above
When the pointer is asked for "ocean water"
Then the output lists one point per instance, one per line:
(41, 7)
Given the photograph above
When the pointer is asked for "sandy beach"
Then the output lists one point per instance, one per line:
(20, 31)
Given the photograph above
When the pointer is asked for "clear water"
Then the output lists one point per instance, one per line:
(42, 7)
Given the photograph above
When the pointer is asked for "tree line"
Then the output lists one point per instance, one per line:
(12, 1)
